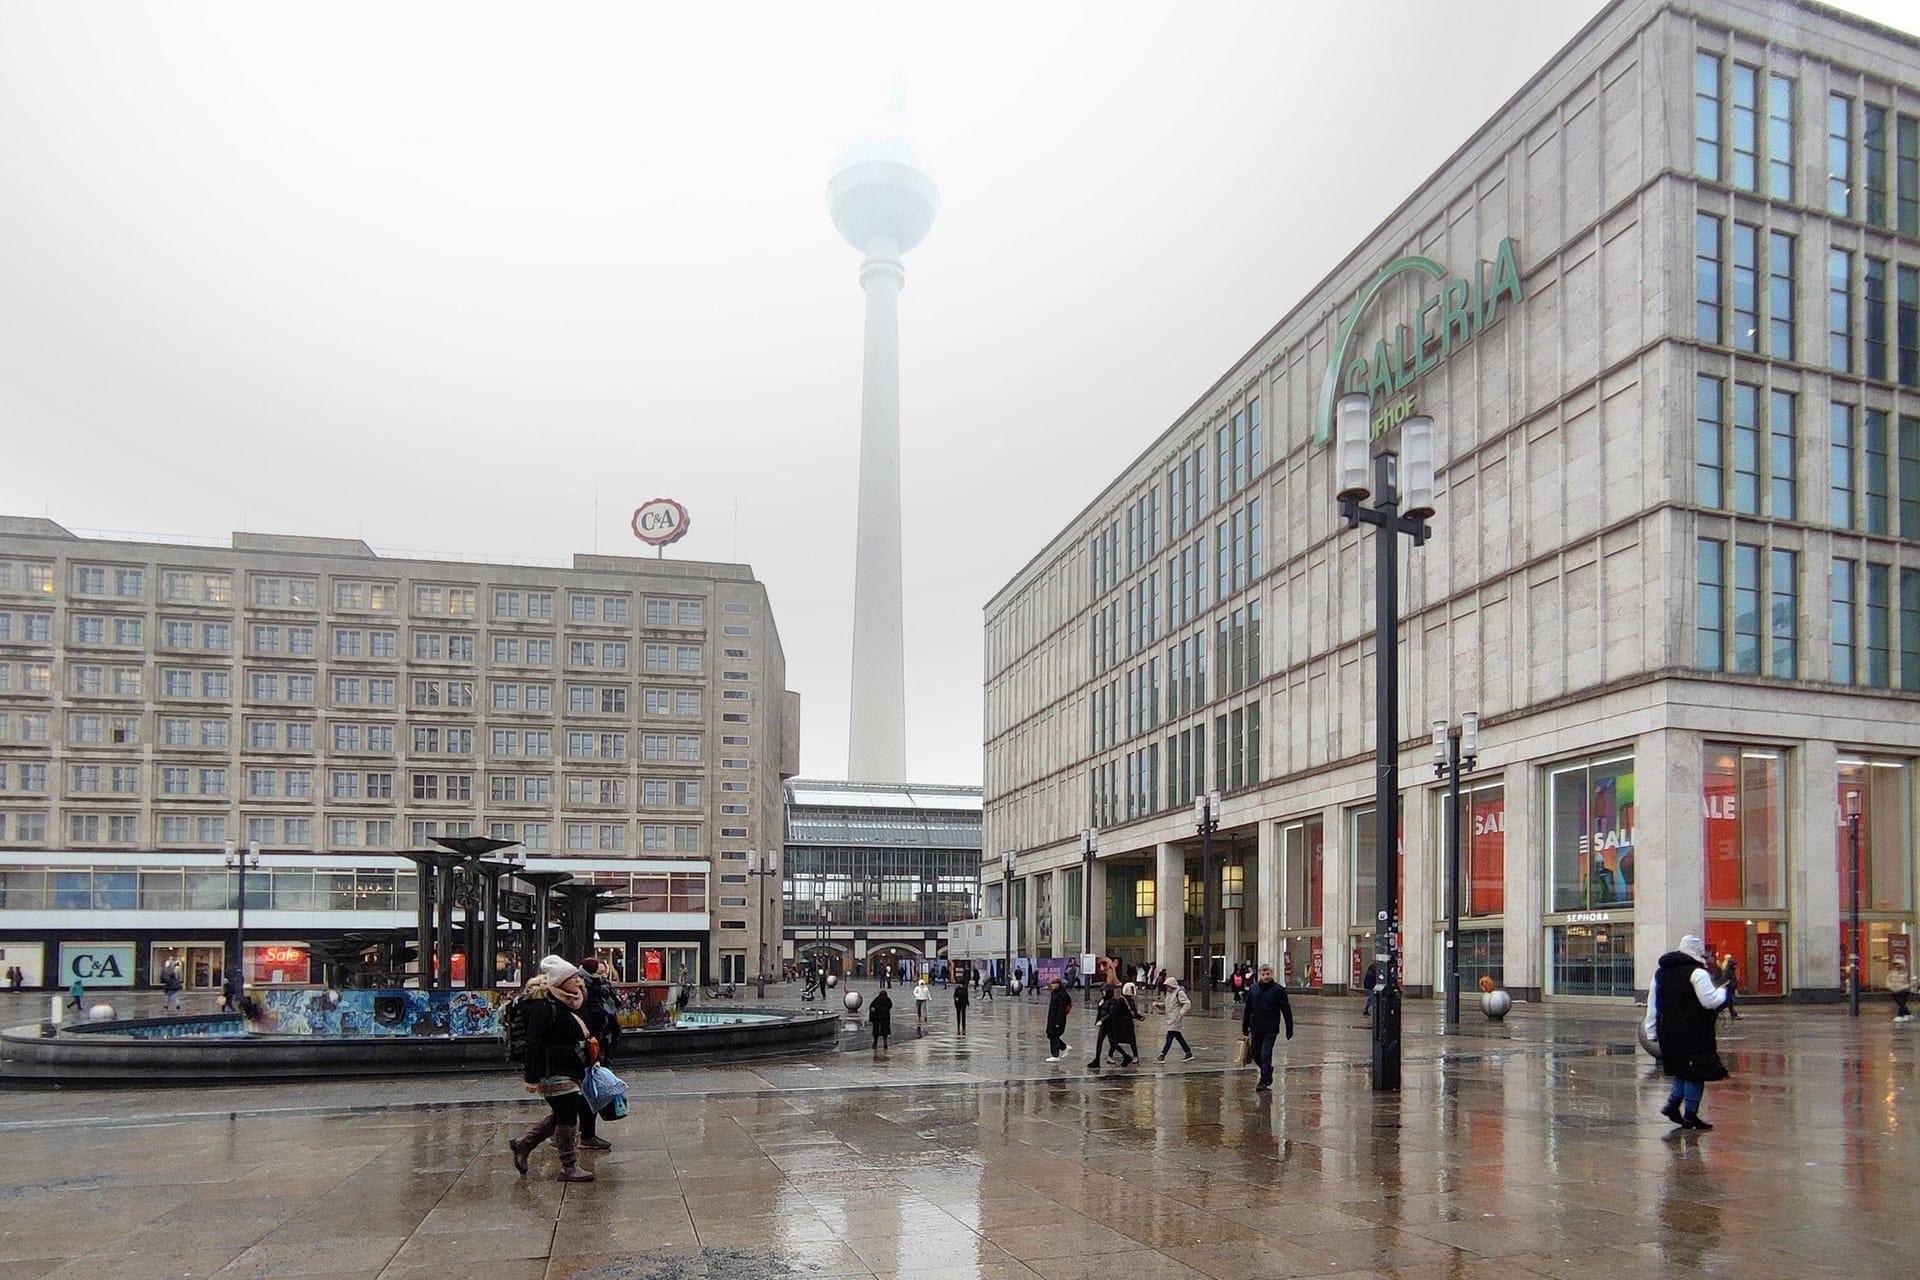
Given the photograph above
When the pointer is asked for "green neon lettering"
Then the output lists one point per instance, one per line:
(1424, 338)
(1454, 319)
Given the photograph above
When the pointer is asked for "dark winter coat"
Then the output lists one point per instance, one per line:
(1683, 1026)
(1266, 1007)
(1121, 1016)
(1059, 1005)
(960, 996)
(880, 1014)
(555, 1046)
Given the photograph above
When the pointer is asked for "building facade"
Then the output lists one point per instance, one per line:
(308, 696)
(874, 872)
(1664, 309)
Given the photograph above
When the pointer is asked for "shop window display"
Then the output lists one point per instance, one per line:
(1483, 850)
(1743, 806)
(1590, 833)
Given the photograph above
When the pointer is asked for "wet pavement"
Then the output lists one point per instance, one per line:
(1523, 1149)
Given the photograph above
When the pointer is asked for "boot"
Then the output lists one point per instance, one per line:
(522, 1147)
(594, 1142)
(567, 1138)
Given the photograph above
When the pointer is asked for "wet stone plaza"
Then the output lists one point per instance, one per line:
(1531, 1148)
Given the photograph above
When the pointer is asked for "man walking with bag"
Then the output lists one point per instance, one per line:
(1265, 1011)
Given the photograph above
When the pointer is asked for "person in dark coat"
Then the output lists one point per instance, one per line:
(1105, 1024)
(1120, 1026)
(960, 1000)
(559, 1050)
(1261, 1017)
(1059, 1005)
(1680, 1015)
(600, 1010)
(1730, 975)
(880, 1019)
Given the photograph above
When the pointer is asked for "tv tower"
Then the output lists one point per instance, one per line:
(883, 204)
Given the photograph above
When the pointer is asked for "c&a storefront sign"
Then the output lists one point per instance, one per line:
(1458, 311)
(98, 964)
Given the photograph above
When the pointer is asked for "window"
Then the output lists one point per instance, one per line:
(507, 604)
(1873, 291)
(1779, 137)
(686, 702)
(614, 608)
(381, 644)
(1910, 629)
(1840, 310)
(539, 653)
(655, 657)
(1873, 131)
(266, 639)
(1706, 116)
(89, 581)
(580, 653)
(1907, 325)
(348, 644)
(659, 613)
(613, 700)
(686, 793)
(1780, 303)
(1840, 155)
(1842, 599)
(538, 697)
(1744, 121)
(1841, 481)
(1706, 278)
(1884, 788)
(1877, 473)
(1590, 832)
(130, 583)
(686, 747)
(1879, 668)
(128, 632)
(613, 653)
(689, 613)
(1907, 174)
(1745, 282)
(581, 609)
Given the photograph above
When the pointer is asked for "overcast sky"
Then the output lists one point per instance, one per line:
(477, 280)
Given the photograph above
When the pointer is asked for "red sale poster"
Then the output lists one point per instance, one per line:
(1316, 965)
(1772, 978)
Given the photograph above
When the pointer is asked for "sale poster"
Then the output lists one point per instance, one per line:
(1772, 979)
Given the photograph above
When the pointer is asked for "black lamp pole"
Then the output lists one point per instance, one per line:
(1090, 837)
(1853, 865)
(1383, 513)
(1006, 916)
(1455, 752)
(239, 859)
(760, 866)
(1206, 814)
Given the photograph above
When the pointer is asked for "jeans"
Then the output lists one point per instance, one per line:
(1366, 1010)
(1688, 1093)
(1167, 1046)
(1263, 1054)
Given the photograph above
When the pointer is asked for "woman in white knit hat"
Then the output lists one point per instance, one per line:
(559, 1051)
(1681, 1009)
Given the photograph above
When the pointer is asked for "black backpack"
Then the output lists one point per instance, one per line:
(515, 1017)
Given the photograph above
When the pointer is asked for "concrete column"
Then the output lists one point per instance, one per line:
(1269, 905)
(1669, 851)
(1062, 944)
(1169, 909)
(1336, 887)
(1523, 964)
(1423, 841)
(1097, 921)
(1816, 856)
(877, 729)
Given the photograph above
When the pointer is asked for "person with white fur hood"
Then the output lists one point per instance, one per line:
(1681, 1009)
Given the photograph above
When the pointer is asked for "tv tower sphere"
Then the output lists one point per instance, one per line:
(882, 202)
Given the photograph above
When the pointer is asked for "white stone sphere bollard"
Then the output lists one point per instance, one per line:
(1014, 988)
(853, 1001)
(833, 980)
(100, 1013)
(1495, 1004)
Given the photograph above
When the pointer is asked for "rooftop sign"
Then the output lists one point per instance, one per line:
(660, 522)
(1459, 310)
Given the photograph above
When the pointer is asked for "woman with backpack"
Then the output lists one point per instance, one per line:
(560, 1048)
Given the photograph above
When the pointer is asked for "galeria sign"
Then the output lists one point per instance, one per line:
(1460, 310)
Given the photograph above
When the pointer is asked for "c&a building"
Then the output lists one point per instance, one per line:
(1664, 310)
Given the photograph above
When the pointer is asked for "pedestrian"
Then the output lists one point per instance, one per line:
(1176, 1003)
(880, 1020)
(1730, 971)
(986, 985)
(960, 999)
(1261, 1018)
(1371, 980)
(230, 991)
(560, 1048)
(77, 994)
(1239, 984)
(600, 1010)
(1059, 1005)
(171, 984)
(1899, 986)
(920, 997)
(1113, 1022)
(1680, 1018)
(1122, 1036)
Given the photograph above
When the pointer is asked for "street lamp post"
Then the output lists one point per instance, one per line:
(1090, 839)
(760, 865)
(1006, 915)
(1206, 816)
(1353, 456)
(241, 860)
(1455, 751)
(1853, 894)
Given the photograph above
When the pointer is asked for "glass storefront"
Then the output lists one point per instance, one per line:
(1590, 959)
(1744, 808)
(1590, 827)
(200, 963)
(1483, 849)
(1303, 851)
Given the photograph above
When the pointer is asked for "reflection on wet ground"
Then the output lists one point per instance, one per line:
(1526, 1150)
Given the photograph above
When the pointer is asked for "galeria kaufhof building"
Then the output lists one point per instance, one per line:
(1664, 310)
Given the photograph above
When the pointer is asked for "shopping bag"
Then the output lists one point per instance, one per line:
(1242, 1052)
(600, 1086)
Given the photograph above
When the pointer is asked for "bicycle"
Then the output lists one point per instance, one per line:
(723, 991)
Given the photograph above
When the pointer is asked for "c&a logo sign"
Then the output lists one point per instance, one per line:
(98, 964)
